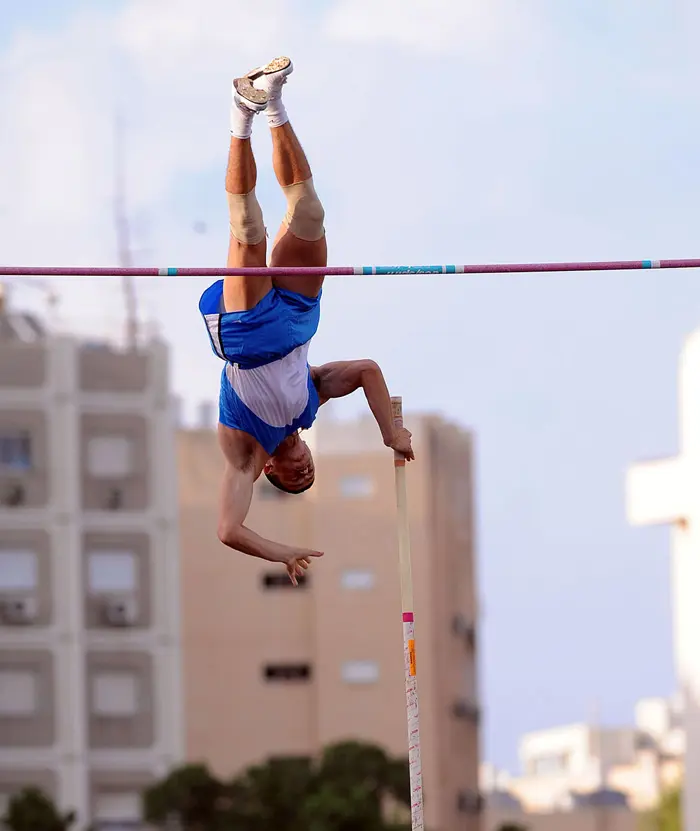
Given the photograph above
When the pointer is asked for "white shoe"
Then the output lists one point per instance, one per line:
(246, 96)
(271, 77)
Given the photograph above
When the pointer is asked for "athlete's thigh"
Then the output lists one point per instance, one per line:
(245, 291)
(291, 252)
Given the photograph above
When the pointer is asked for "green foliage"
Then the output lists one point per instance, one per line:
(343, 807)
(191, 793)
(345, 790)
(32, 810)
(270, 796)
(667, 815)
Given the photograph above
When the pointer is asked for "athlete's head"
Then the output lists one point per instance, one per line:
(291, 468)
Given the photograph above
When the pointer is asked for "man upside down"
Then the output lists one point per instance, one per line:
(262, 327)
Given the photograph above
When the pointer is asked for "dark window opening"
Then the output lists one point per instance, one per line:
(280, 580)
(287, 672)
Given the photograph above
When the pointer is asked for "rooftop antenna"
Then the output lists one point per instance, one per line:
(122, 228)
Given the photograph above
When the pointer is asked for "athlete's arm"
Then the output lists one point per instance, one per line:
(341, 378)
(236, 496)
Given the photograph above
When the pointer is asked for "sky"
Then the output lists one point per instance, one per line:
(449, 131)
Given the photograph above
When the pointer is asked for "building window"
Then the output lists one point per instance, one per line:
(117, 810)
(112, 572)
(115, 694)
(16, 450)
(280, 580)
(18, 570)
(357, 579)
(356, 487)
(287, 672)
(109, 457)
(556, 763)
(360, 672)
(18, 693)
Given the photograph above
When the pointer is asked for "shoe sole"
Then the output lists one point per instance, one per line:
(244, 87)
(281, 64)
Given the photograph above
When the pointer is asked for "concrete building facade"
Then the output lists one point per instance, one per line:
(664, 492)
(90, 676)
(621, 769)
(276, 671)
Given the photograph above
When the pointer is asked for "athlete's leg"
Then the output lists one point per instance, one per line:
(301, 240)
(247, 240)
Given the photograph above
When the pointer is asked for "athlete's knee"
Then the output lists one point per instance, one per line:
(305, 214)
(246, 218)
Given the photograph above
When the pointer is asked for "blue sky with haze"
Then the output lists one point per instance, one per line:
(450, 131)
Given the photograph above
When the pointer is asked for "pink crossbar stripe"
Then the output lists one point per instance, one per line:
(408, 617)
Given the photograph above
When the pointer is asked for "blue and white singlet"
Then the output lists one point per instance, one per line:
(266, 386)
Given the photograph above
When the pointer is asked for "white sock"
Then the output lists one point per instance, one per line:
(276, 112)
(241, 121)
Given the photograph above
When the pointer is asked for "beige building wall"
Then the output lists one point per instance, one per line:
(339, 637)
(90, 675)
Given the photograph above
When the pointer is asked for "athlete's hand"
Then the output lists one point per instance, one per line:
(298, 562)
(401, 443)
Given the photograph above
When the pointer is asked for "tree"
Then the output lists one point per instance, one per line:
(190, 793)
(32, 810)
(355, 782)
(343, 807)
(667, 815)
(347, 789)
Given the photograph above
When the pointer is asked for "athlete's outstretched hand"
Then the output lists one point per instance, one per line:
(401, 443)
(298, 562)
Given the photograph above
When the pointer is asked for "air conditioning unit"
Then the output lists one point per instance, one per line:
(115, 499)
(463, 628)
(13, 496)
(121, 610)
(19, 611)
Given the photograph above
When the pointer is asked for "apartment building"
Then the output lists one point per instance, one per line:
(564, 768)
(276, 671)
(90, 705)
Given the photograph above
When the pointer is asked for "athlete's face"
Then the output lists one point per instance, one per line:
(292, 466)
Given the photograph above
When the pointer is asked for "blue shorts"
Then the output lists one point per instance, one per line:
(256, 342)
(278, 324)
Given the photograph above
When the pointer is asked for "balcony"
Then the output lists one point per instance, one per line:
(470, 802)
(466, 710)
(464, 629)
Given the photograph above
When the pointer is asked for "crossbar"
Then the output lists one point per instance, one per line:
(346, 271)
